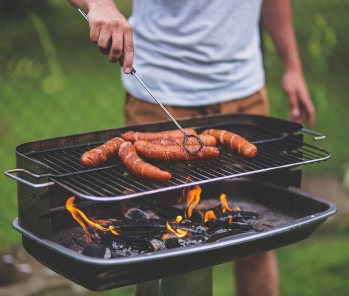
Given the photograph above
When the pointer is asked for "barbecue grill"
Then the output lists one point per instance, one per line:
(49, 172)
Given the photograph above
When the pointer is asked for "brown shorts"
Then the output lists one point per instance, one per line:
(137, 111)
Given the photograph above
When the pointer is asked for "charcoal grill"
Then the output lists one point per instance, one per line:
(48, 172)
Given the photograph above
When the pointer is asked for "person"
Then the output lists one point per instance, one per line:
(203, 57)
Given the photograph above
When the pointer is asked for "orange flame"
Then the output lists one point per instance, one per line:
(209, 215)
(177, 232)
(193, 198)
(80, 217)
(224, 202)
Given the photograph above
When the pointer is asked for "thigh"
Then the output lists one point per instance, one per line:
(256, 103)
(137, 111)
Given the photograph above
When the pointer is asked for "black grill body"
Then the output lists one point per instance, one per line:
(49, 172)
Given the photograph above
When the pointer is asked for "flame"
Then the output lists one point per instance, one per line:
(209, 215)
(224, 202)
(176, 231)
(193, 198)
(80, 217)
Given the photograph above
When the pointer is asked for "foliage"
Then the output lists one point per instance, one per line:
(54, 82)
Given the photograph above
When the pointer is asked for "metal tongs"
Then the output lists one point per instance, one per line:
(186, 136)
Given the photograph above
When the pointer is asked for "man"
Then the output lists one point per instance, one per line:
(203, 57)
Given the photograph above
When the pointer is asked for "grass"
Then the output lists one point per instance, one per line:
(85, 94)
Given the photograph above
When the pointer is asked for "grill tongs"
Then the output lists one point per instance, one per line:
(186, 136)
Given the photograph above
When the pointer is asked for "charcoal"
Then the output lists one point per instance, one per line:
(141, 245)
(218, 230)
(238, 216)
(136, 215)
(118, 246)
(97, 250)
(171, 212)
(164, 211)
(226, 224)
(173, 242)
(150, 224)
(157, 244)
(193, 229)
(196, 240)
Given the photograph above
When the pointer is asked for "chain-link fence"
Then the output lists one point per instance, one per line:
(54, 81)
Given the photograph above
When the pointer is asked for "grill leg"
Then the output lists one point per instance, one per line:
(195, 283)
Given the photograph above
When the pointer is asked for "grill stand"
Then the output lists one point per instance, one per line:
(195, 283)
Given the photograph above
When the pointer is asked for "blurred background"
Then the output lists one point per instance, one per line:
(54, 82)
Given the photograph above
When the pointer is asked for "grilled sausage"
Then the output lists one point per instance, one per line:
(100, 154)
(136, 136)
(174, 153)
(208, 140)
(233, 141)
(138, 167)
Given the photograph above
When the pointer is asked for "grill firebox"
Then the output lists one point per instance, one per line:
(49, 172)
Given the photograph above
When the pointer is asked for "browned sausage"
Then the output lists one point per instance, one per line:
(100, 154)
(208, 140)
(138, 167)
(233, 141)
(174, 153)
(136, 136)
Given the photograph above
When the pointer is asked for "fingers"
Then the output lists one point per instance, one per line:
(113, 36)
(128, 51)
(301, 106)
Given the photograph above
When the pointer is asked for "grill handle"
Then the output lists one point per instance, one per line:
(9, 173)
(317, 135)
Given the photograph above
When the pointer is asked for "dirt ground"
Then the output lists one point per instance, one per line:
(22, 275)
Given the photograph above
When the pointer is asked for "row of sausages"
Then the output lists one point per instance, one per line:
(132, 147)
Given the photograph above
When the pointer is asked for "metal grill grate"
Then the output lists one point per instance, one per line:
(112, 181)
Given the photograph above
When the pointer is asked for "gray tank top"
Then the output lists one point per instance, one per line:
(196, 52)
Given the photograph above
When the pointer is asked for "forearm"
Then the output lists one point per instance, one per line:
(277, 18)
(86, 5)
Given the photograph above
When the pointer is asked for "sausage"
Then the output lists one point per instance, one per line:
(139, 167)
(174, 153)
(233, 141)
(136, 136)
(208, 140)
(100, 154)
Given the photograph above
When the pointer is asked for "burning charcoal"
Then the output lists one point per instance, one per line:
(173, 242)
(141, 245)
(144, 234)
(120, 248)
(97, 250)
(226, 224)
(196, 240)
(136, 215)
(193, 229)
(238, 216)
(164, 211)
(150, 224)
(135, 253)
(171, 212)
(217, 230)
(157, 244)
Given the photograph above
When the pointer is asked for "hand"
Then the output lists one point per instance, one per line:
(301, 106)
(110, 30)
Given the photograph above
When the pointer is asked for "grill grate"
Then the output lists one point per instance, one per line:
(112, 181)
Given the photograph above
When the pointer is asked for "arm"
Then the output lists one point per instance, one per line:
(107, 23)
(277, 18)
